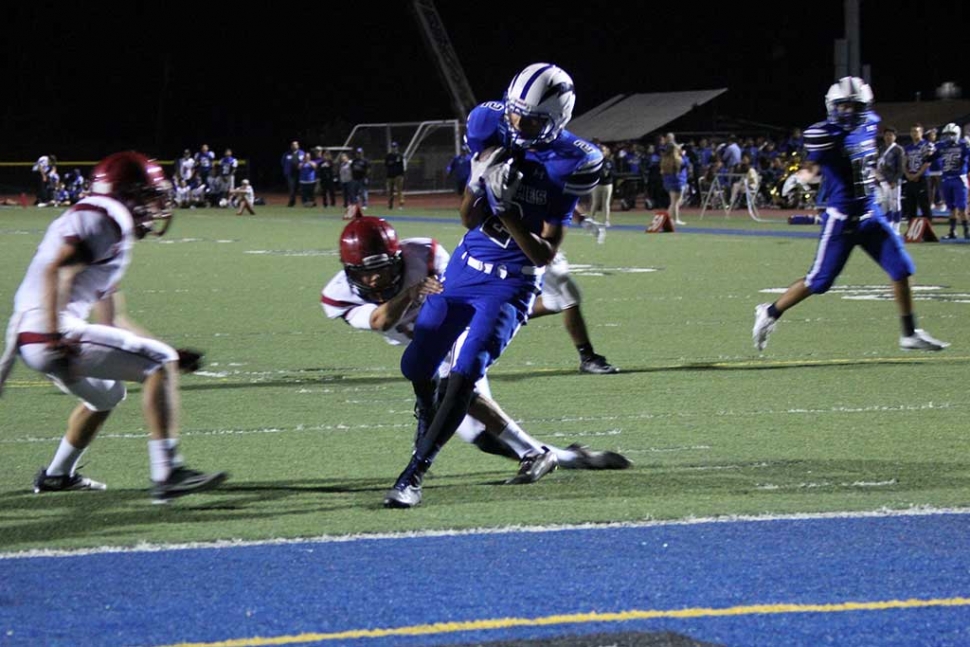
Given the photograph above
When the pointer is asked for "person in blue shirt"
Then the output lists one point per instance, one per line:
(528, 175)
(953, 153)
(460, 168)
(204, 160)
(291, 170)
(228, 165)
(843, 150)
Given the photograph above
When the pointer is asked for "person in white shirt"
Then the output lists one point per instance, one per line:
(74, 275)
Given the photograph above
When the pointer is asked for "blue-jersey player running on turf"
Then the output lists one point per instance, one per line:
(843, 150)
(528, 174)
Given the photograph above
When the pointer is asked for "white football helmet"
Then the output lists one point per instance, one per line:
(541, 91)
(951, 132)
(848, 90)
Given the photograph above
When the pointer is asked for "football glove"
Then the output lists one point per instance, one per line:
(499, 184)
(190, 360)
(481, 162)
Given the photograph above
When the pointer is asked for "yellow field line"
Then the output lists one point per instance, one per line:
(581, 618)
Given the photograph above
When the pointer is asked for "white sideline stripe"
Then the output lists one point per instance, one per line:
(915, 511)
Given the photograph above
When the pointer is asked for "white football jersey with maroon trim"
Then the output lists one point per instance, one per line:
(105, 230)
(423, 257)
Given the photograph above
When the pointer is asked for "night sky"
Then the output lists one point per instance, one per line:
(85, 79)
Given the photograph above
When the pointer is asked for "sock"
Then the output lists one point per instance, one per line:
(773, 312)
(453, 407)
(65, 459)
(174, 452)
(966, 227)
(909, 325)
(522, 443)
(585, 351)
(160, 459)
(492, 444)
(953, 226)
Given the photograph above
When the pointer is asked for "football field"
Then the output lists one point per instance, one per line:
(313, 421)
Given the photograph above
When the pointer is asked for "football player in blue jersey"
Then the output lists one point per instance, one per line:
(528, 174)
(953, 153)
(843, 150)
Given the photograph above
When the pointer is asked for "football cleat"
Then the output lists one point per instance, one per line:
(534, 466)
(921, 340)
(182, 481)
(406, 492)
(597, 364)
(764, 325)
(64, 483)
(589, 459)
(950, 236)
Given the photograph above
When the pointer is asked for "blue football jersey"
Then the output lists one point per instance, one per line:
(953, 157)
(918, 154)
(554, 177)
(848, 161)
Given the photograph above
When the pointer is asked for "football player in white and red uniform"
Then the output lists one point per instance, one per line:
(382, 287)
(75, 274)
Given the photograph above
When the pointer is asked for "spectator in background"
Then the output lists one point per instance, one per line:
(673, 169)
(360, 170)
(204, 160)
(243, 198)
(53, 182)
(308, 180)
(602, 194)
(919, 152)
(183, 196)
(228, 166)
(394, 165)
(291, 170)
(42, 168)
(794, 146)
(325, 174)
(731, 154)
(746, 182)
(460, 169)
(934, 174)
(889, 172)
(346, 177)
(215, 191)
(75, 185)
(185, 167)
(197, 193)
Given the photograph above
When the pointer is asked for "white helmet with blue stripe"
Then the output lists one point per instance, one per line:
(849, 90)
(543, 92)
(951, 132)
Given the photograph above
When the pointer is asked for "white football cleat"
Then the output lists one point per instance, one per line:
(921, 340)
(764, 325)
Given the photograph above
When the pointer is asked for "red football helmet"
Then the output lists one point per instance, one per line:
(140, 184)
(371, 254)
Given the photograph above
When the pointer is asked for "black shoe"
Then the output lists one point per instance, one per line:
(64, 483)
(182, 481)
(950, 236)
(589, 459)
(597, 364)
(406, 492)
(534, 467)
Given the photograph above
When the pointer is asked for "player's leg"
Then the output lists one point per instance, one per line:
(889, 252)
(831, 255)
(560, 293)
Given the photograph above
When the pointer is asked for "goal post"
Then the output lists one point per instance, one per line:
(427, 147)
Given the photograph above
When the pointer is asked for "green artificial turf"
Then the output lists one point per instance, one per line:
(313, 420)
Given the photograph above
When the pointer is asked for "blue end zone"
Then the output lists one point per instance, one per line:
(653, 578)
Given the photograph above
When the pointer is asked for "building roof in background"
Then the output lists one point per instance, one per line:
(631, 116)
(932, 114)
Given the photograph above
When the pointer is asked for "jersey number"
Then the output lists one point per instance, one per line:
(863, 175)
(496, 231)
